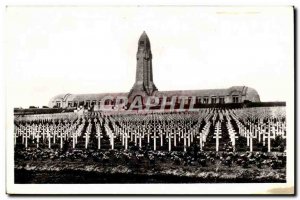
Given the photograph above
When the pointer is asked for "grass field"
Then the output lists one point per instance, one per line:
(54, 166)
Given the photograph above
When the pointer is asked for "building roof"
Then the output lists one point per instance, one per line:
(144, 37)
(235, 90)
(250, 93)
(212, 92)
(83, 97)
(60, 97)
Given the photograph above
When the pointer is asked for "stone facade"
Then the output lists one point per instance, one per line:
(144, 87)
(144, 77)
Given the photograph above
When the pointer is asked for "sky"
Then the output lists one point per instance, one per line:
(54, 50)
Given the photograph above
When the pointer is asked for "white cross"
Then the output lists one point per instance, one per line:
(86, 136)
(126, 137)
(131, 135)
(43, 128)
(189, 139)
(251, 141)
(200, 137)
(38, 136)
(54, 134)
(233, 137)
(179, 135)
(264, 138)
(23, 135)
(135, 137)
(217, 138)
(74, 137)
(269, 141)
(161, 138)
(26, 139)
(15, 137)
(169, 136)
(192, 136)
(99, 136)
(174, 135)
(254, 131)
(49, 140)
(112, 137)
(123, 139)
(44, 133)
(61, 139)
(185, 136)
(31, 132)
(154, 137)
(27, 129)
(248, 138)
(259, 134)
(140, 137)
(148, 136)
(38, 131)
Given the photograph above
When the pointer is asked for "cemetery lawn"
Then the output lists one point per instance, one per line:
(96, 166)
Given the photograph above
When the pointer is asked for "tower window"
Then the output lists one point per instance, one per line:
(141, 42)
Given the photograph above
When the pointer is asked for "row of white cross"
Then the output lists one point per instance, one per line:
(156, 128)
(161, 132)
(45, 131)
(260, 131)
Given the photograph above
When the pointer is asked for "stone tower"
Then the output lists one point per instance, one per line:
(144, 77)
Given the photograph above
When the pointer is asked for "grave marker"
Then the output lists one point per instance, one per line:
(170, 137)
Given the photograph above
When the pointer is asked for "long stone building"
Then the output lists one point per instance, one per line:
(144, 87)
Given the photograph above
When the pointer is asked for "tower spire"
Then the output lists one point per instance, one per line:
(144, 75)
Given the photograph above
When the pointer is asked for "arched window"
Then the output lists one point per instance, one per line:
(70, 103)
(58, 104)
(235, 99)
(205, 100)
(214, 100)
(198, 100)
(88, 103)
(221, 100)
